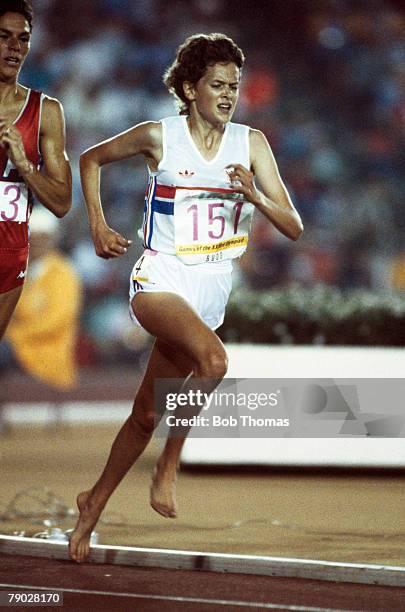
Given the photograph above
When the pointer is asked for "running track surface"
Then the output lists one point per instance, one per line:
(115, 588)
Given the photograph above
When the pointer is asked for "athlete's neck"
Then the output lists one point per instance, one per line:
(204, 133)
(9, 92)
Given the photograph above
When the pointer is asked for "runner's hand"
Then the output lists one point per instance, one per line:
(242, 182)
(109, 243)
(11, 141)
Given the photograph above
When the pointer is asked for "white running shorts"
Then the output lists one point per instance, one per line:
(206, 286)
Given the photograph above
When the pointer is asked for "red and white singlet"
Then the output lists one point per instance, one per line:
(190, 208)
(16, 199)
(194, 223)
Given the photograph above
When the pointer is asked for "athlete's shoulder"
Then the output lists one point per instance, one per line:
(238, 126)
(257, 138)
(153, 127)
(238, 129)
(50, 104)
(172, 120)
(150, 132)
(52, 115)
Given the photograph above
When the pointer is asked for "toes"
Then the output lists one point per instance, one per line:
(164, 511)
(82, 554)
(78, 551)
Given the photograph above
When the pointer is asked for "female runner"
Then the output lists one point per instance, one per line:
(198, 207)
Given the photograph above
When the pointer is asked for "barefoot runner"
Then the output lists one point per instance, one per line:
(198, 207)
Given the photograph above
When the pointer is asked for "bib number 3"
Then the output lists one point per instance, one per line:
(13, 202)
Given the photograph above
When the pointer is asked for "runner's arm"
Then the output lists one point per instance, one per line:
(53, 187)
(145, 139)
(273, 199)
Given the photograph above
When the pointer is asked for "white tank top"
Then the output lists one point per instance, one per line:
(190, 209)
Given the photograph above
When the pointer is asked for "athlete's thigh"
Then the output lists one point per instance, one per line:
(8, 302)
(170, 318)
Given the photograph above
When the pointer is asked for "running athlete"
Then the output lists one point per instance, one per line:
(198, 205)
(32, 134)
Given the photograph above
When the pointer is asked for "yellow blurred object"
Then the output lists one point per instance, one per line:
(44, 327)
(398, 273)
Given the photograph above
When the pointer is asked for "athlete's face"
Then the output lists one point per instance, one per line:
(215, 95)
(15, 38)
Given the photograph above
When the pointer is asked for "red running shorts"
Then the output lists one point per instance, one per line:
(13, 268)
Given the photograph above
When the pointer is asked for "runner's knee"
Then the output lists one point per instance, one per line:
(143, 422)
(213, 363)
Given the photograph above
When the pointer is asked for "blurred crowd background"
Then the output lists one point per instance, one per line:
(324, 80)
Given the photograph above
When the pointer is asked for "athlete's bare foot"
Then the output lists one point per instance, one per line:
(79, 541)
(163, 492)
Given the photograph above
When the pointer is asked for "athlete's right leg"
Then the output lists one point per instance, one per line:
(129, 444)
(8, 302)
(167, 316)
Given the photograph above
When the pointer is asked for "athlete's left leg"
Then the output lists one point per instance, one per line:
(8, 302)
(128, 445)
(170, 318)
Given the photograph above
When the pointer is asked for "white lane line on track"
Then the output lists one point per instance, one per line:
(310, 569)
(217, 602)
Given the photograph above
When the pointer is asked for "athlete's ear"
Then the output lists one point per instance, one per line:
(189, 90)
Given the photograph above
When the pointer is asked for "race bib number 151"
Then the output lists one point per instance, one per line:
(210, 225)
(13, 201)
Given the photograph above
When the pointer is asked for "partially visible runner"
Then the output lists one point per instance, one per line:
(198, 207)
(32, 134)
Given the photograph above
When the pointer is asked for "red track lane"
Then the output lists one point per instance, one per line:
(160, 590)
